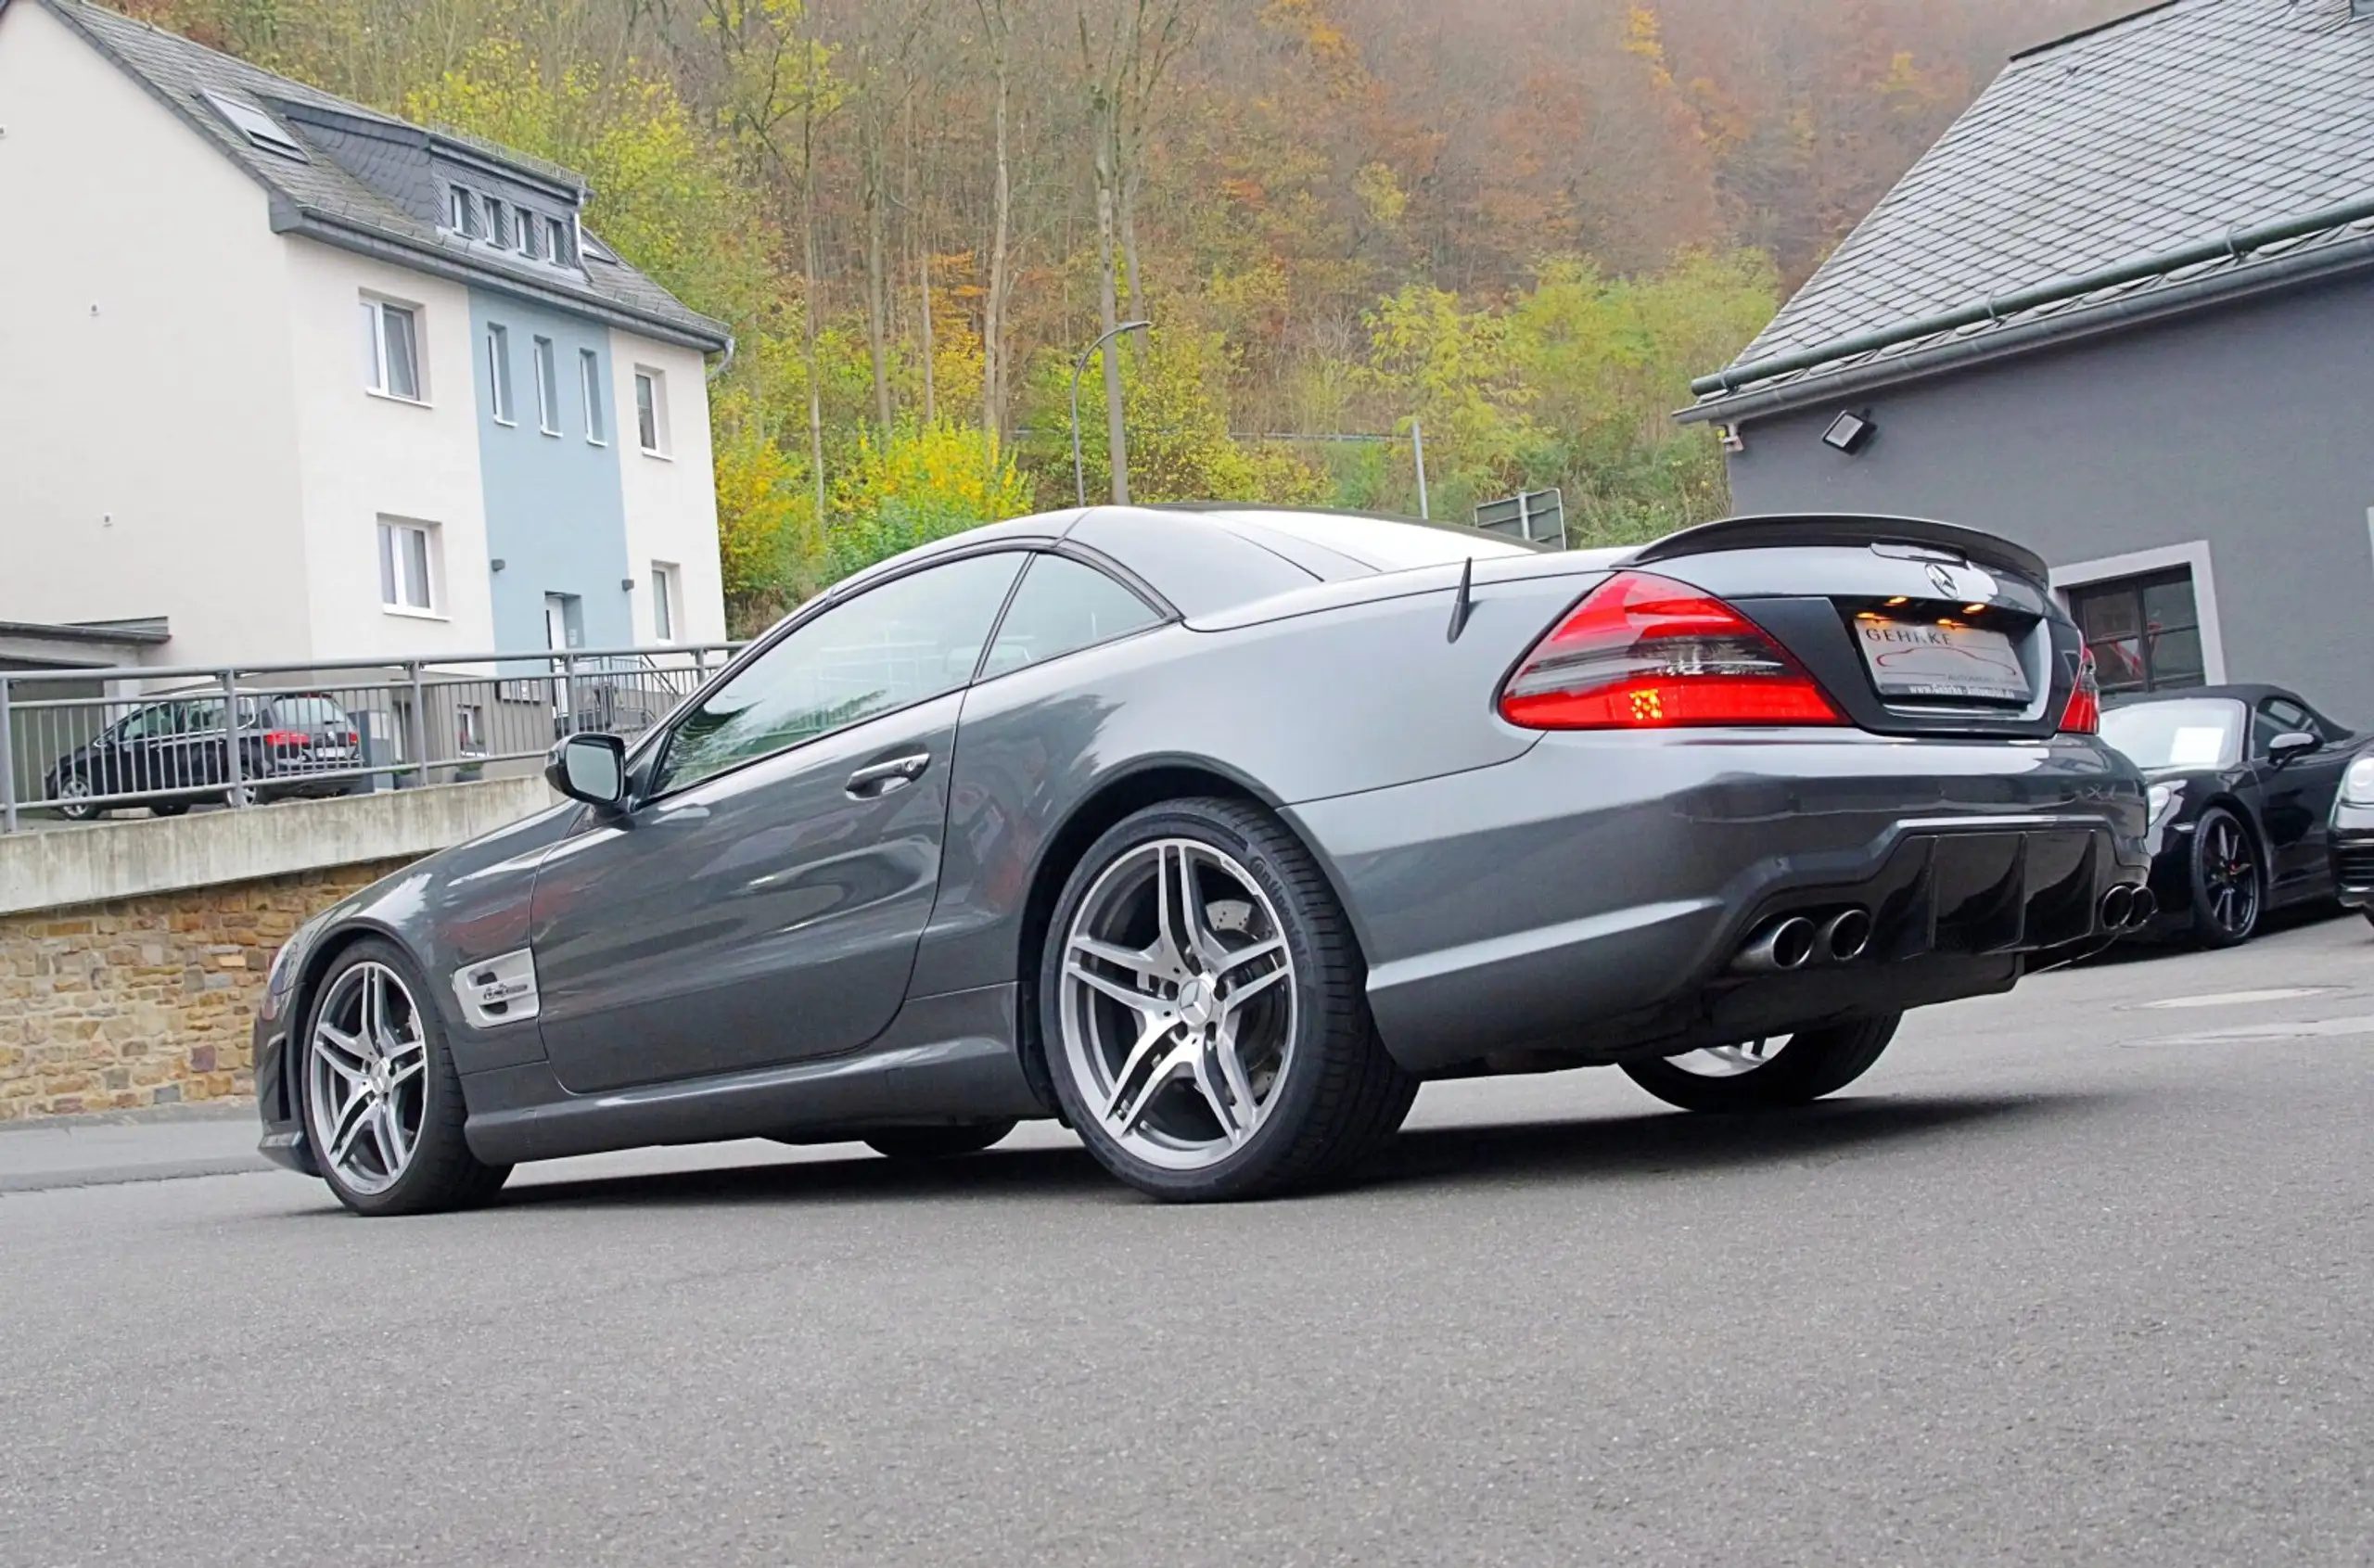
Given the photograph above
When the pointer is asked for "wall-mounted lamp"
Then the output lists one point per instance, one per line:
(495, 564)
(1849, 432)
(626, 585)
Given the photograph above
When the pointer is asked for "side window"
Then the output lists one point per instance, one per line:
(913, 637)
(1061, 605)
(139, 724)
(2275, 716)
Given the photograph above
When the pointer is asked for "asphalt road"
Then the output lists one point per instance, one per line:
(2084, 1274)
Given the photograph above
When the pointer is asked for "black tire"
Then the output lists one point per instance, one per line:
(2228, 886)
(1339, 1097)
(1813, 1063)
(442, 1174)
(935, 1143)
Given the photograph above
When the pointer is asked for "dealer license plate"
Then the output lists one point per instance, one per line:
(1908, 659)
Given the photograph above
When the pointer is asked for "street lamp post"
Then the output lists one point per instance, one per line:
(1079, 474)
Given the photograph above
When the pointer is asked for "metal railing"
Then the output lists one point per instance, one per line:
(79, 743)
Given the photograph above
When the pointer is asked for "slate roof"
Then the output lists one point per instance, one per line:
(2183, 122)
(319, 199)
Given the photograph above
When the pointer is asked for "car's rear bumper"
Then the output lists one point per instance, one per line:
(1590, 899)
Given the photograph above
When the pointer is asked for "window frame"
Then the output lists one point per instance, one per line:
(498, 374)
(546, 367)
(656, 379)
(394, 559)
(589, 380)
(465, 212)
(376, 307)
(1164, 613)
(2137, 587)
(644, 756)
(665, 577)
(644, 760)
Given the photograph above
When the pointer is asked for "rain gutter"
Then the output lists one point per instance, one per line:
(2234, 245)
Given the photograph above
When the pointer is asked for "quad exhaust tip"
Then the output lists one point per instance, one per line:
(1845, 935)
(2128, 907)
(1785, 944)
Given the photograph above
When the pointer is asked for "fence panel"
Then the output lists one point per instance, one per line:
(78, 743)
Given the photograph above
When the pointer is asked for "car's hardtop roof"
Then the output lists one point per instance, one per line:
(1209, 556)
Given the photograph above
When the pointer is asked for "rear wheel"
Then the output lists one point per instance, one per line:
(2227, 888)
(1204, 1010)
(1762, 1074)
(935, 1143)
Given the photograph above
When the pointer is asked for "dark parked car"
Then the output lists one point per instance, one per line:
(1214, 831)
(2242, 781)
(169, 754)
(2351, 834)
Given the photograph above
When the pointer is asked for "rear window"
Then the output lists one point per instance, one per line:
(2194, 732)
(1381, 544)
(306, 711)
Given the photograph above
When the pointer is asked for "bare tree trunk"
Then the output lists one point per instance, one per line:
(1108, 305)
(1136, 279)
(1001, 30)
(809, 305)
(919, 237)
(877, 295)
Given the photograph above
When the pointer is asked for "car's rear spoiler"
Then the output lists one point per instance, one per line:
(1840, 528)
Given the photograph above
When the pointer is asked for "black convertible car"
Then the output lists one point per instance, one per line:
(2243, 780)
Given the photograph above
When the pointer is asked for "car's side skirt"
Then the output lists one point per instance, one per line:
(944, 1059)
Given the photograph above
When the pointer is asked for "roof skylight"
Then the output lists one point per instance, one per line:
(259, 127)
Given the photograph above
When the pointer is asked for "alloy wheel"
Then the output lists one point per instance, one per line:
(1731, 1060)
(74, 798)
(2229, 877)
(1176, 1003)
(365, 1078)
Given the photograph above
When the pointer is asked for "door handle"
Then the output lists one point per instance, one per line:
(877, 779)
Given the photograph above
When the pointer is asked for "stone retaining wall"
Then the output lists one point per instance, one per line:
(147, 1000)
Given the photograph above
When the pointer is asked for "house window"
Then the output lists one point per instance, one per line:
(589, 377)
(651, 410)
(464, 215)
(547, 389)
(408, 567)
(663, 601)
(498, 371)
(2145, 632)
(564, 241)
(391, 349)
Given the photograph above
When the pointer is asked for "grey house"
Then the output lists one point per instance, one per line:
(2123, 313)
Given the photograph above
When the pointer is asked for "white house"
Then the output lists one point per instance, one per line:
(306, 382)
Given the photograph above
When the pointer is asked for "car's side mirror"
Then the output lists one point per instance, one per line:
(2290, 745)
(590, 768)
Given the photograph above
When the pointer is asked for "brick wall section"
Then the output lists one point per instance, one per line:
(147, 1000)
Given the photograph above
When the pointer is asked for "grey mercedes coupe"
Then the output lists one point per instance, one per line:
(1216, 831)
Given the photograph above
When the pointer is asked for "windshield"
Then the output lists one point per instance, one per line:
(2196, 732)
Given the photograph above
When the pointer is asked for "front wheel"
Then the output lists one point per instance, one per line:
(382, 1103)
(1763, 1074)
(74, 800)
(1204, 1010)
(935, 1143)
(2228, 890)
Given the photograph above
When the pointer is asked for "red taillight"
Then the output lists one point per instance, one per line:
(286, 738)
(1644, 652)
(2083, 714)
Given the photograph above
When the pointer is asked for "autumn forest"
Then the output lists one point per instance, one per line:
(1523, 223)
